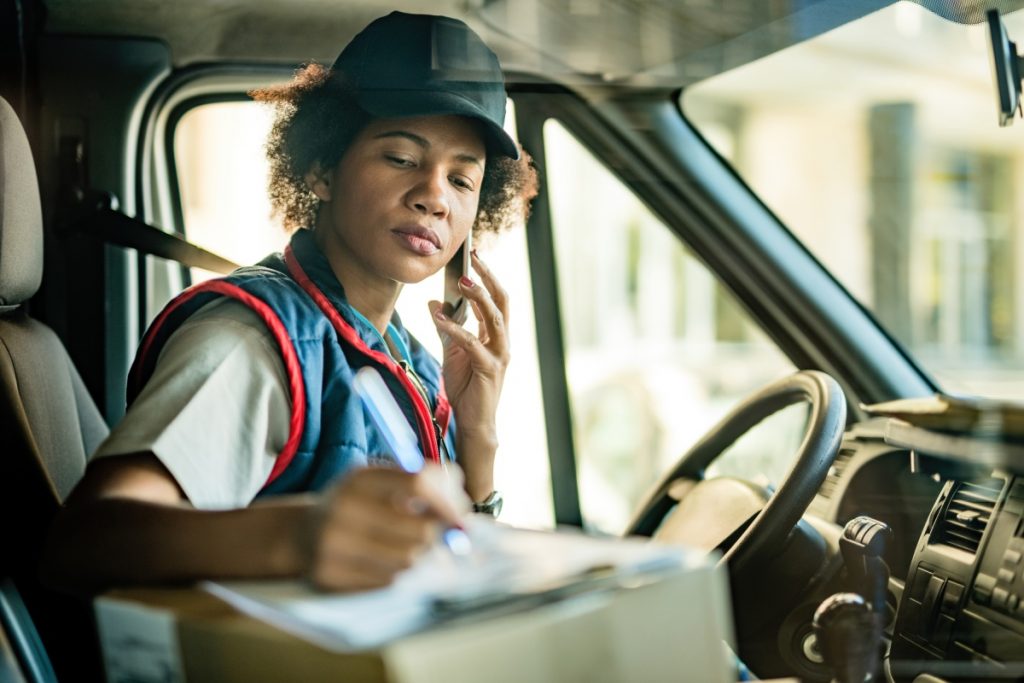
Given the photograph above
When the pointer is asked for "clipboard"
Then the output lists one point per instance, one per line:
(493, 603)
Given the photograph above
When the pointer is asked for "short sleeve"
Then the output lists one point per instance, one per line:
(216, 410)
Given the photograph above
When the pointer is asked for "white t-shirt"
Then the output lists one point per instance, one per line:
(216, 410)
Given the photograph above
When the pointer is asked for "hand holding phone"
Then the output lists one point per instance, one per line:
(455, 305)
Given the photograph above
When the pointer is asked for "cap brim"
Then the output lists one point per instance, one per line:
(392, 104)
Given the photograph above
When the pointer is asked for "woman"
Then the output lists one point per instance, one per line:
(242, 389)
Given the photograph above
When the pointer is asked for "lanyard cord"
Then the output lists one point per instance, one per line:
(405, 362)
(393, 335)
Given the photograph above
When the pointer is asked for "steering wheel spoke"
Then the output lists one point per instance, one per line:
(712, 514)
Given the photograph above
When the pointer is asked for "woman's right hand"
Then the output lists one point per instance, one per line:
(374, 524)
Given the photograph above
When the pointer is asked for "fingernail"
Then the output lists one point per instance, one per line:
(457, 541)
(440, 315)
(466, 282)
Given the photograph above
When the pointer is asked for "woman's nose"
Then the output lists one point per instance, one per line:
(429, 195)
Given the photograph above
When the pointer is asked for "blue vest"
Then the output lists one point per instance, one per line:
(323, 342)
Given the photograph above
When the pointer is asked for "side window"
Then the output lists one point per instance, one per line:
(222, 173)
(656, 349)
(222, 170)
(219, 171)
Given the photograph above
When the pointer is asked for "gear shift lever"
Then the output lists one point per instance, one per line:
(844, 625)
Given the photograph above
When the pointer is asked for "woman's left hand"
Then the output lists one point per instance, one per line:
(474, 371)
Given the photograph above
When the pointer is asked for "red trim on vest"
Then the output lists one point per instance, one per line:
(296, 386)
(348, 333)
(444, 409)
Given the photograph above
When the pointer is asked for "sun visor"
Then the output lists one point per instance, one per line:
(660, 43)
(969, 11)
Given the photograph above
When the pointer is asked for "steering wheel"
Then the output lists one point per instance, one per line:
(714, 513)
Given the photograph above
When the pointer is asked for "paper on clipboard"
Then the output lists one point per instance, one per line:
(506, 565)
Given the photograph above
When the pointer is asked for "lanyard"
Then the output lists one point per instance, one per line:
(396, 338)
(406, 364)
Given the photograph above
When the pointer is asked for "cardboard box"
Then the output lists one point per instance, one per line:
(671, 629)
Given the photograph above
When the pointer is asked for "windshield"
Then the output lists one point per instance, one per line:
(877, 144)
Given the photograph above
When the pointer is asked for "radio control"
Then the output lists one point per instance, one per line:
(951, 597)
(983, 586)
(999, 597)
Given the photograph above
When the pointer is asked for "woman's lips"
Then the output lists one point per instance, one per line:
(418, 240)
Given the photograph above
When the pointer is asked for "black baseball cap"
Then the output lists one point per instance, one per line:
(423, 65)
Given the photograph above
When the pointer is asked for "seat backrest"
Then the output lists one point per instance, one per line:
(48, 422)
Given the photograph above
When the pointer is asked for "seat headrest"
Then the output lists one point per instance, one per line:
(21, 215)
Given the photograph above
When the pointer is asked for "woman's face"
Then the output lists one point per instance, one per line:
(403, 197)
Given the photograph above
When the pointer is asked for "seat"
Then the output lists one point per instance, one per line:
(48, 422)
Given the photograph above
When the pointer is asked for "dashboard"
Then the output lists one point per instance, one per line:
(957, 556)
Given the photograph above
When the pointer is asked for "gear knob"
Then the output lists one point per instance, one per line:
(847, 632)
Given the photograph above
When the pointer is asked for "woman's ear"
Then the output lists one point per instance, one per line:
(319, 181)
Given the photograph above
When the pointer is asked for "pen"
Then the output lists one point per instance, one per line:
(402, 442)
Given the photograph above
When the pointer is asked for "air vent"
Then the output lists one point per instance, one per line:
(968, 513)
(835, 473)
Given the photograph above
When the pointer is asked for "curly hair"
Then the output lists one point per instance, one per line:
(317, 118)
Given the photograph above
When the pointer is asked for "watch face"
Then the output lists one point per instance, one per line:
(490, 505)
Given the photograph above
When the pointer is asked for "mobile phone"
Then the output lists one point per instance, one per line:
(455, 306)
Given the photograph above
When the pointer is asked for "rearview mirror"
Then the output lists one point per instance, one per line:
(1005, 68)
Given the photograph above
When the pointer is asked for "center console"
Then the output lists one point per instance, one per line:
(961, 617)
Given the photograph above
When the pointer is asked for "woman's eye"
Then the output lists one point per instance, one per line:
(461, 183)
(400, 161)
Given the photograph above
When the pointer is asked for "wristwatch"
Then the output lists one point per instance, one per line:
(491, 505)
